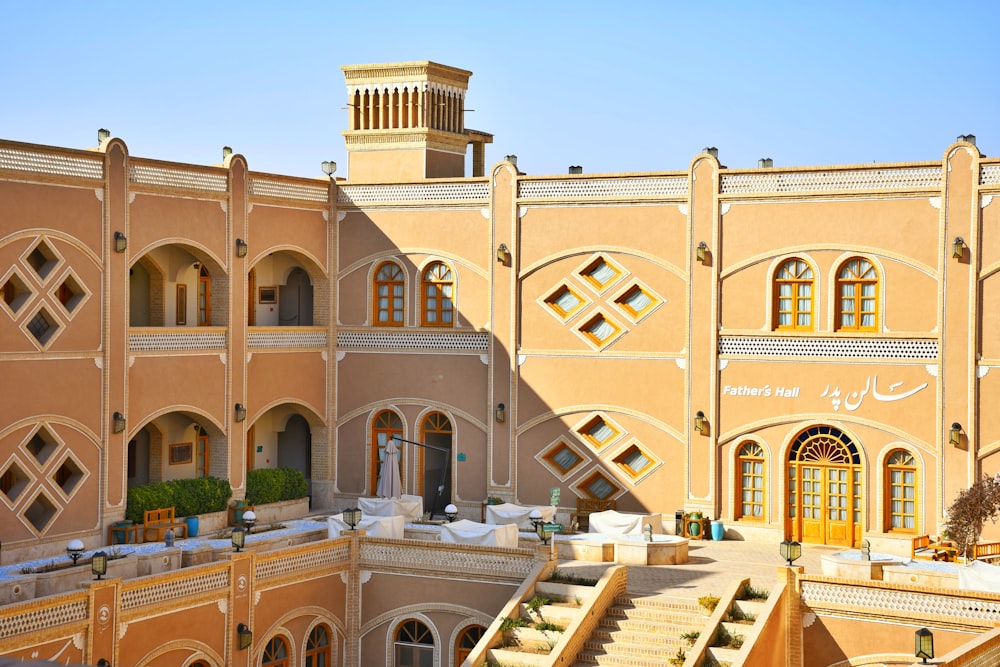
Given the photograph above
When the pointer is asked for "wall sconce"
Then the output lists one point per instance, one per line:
(99, 564)
(329, 168)
(958, 248)
(700, 423)
(241, 248)
(790, 551)
(117, 422)
(352, 517)
(121, 242)
(239, 538)
(245, 635)
(74, 549)
(955, 434)
(501, 413)
(241, 412)
(503, 255)
(923, 644)
(103, 135)
(450, 512)
(103, 662)
(701, 252)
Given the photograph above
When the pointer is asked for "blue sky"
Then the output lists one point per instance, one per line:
(627, 86)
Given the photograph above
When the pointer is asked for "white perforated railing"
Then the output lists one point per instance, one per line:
(865, 348)
(472, 342)
(177, 178)
(306, 559)
(276, 338)
(134, 594)
(989, 174)
(262, 187)
(605, 188)
(51, 163)
(766, 182)
(43, 618)
(436, 559)
(834, 596)
(174, 340)
(383, 194)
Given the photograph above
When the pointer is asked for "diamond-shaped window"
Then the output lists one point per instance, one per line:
(564, 302)
(70, 293)
(13, 480)
(68, 476)
(43, 326)
(600, 330)
(599, 431)
(42, 445)
(41, 512)
(635, 461)
(598, 485)
(15, 292)
(561, 458)
(42, 259)
(600, 273)
(637, 301)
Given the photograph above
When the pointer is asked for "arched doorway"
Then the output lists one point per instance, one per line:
(295, 300)
(824, 488)
(436, 477)
(295, 447)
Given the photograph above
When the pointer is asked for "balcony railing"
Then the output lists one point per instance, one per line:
(176, 339)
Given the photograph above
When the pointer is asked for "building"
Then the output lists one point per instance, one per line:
(802, 352)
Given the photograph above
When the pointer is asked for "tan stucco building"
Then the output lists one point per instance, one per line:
(802, 352)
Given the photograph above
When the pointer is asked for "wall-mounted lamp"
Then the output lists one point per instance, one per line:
(99, 564)
(74, 549)
(955, 434)
(503, 254)
(103, 135)
(701, 252)
(241, 248)
(245, 635)
(450, 512)
(241, 412)
(700, 423)
(958, 248)
(923, 644)
(103, 662)
(329, 168)
(239, 538)
(790, 551)
(121, 242)
(501, 413)
(117, 422)
(352, 516)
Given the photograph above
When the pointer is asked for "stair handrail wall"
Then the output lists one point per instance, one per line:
(613, 582)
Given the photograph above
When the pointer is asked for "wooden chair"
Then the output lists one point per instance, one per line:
(585, 507)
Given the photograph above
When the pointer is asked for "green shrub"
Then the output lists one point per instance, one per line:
(272, 485)
(188, 497)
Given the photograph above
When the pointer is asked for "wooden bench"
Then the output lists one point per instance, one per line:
(156, 523)
(587, 506)
(925, 547)
(986, 551)
(920, 548)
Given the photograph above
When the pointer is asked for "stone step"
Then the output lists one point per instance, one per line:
(605, 641)
(588, 657)
(659, 602)
(646, 627)
(671, 616)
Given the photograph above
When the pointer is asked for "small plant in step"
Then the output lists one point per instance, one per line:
(509, 623)
(750, 592)
(736, 641)
(709, 602)
(546, 626)
(578, 600)
(737, 615)
(536, 603)
(691, 637)
(678, 659)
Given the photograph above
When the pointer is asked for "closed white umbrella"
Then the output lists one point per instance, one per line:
(389, 483)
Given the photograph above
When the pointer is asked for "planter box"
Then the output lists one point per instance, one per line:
(17, 589)
(282, 511)
(70, 578)
(156, 562)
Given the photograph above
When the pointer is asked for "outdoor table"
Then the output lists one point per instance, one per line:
(611, 522)
(410, 507)
(374, 526)
(517, 514)
(484, 534)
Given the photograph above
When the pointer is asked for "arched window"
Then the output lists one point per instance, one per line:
(793, 296)
(467, 641)
(199, 663)
(275, 653)
(750, 481)
(439, 296)
(318, 647)
(857, 289)
(386, 425)
(414, 645)
(901, 494)
(388, 292)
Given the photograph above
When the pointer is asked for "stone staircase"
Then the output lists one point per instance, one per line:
(642, 632)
